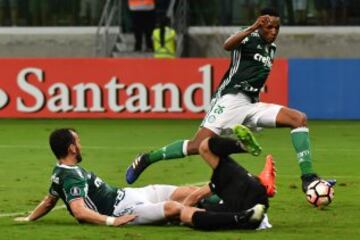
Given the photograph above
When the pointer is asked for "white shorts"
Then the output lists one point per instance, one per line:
(232, 109)
(146, 202)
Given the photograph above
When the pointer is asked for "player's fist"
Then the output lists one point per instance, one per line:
(124, 220)
(22, 219)
(262, 21)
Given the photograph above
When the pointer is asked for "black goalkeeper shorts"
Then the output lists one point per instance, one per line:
(238, 189)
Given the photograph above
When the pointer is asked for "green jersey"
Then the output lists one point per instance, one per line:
(250, 66)
(73, 182)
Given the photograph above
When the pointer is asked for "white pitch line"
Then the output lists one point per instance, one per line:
(16, 214)
(6, 146)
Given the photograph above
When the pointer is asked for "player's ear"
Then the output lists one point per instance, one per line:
(72, 149)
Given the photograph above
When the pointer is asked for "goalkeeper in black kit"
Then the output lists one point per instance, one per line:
(244, 197)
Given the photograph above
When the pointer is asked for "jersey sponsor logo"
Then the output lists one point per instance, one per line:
(4, 99)
(75, 191)
(265, 60)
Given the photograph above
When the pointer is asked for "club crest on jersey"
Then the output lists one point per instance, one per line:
(211, 119)
(75, 191)
(265, 60)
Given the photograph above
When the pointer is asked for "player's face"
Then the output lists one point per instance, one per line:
(270, 30)
(77, 147)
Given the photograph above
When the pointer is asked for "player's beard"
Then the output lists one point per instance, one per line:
(78, 156)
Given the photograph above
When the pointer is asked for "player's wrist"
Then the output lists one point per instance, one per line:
(253, 28)
(110, 221)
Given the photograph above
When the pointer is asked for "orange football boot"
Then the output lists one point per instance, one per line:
(267, 176)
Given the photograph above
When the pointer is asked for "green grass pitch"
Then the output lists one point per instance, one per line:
(110, 145)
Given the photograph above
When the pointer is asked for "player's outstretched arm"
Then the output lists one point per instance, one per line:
(197, 195)
(235, 40)
(84, 214)
(41, 210)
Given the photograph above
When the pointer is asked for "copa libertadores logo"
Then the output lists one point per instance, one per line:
(4, 99)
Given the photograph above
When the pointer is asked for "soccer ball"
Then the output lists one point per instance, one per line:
(319, 193)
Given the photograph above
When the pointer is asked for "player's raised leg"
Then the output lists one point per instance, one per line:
(247, 139)
(212, 148)
(175, 150)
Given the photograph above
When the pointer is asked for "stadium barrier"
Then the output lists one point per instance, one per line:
(325, 88)
(154, 88)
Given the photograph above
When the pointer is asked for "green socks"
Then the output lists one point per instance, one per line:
(174, 150)
(301, 142)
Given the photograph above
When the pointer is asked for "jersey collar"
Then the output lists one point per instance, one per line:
(66, 166)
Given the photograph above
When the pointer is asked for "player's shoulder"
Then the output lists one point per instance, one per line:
(255, 34)
(62, 172)
(273, 45)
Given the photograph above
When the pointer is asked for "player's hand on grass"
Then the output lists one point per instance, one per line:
(124, 220)
(22, 219)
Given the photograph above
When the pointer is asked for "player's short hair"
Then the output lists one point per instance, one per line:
(60, 140)
(269, 11)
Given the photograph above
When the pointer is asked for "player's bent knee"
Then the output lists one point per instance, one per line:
(186, 215)
(304, 119)
(296, 118)
(204, 147)
(172, 209)
(301, 120)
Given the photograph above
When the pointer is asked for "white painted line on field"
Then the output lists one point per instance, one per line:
(16, 214)
(8, 146)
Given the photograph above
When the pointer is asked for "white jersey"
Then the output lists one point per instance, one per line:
(146, 202)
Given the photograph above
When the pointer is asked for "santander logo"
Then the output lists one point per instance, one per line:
(4, 99)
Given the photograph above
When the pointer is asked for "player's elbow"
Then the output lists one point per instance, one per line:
(227, 46)
(79, 214)
(172, 209)
(49, 202)
(78, 209)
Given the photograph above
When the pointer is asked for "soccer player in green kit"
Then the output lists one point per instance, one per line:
(91, 200)
(236, 101)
